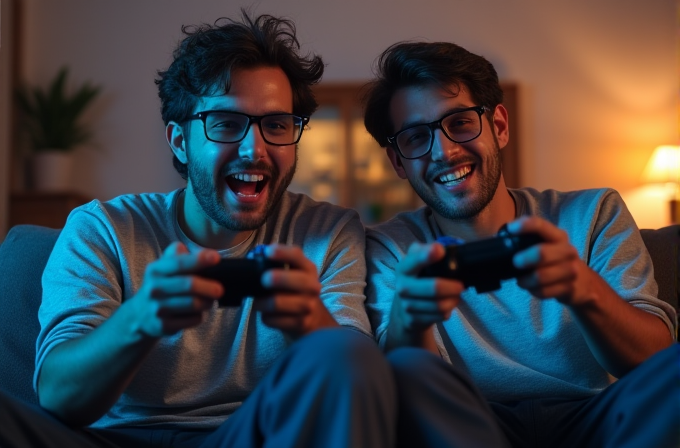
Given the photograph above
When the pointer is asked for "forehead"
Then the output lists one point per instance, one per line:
(427, 103)
(255, 91)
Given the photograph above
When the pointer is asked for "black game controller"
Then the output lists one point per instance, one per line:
(484, 263)
(241, 277)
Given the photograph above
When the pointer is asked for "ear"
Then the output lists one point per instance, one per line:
(396, 162)
(174, 134)
(500, 125)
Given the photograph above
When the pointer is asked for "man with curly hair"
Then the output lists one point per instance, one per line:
(134, 349)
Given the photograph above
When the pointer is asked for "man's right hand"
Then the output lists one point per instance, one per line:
(420, 302)
(171, 298)
(83, 377)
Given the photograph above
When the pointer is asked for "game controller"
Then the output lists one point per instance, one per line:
(241, 277)
(482, 264)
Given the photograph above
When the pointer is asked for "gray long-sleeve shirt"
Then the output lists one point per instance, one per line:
(197, 377)
(514, 345)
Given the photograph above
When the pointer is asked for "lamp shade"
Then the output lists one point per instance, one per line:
(663, 166)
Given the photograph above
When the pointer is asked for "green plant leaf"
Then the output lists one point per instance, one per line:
(51, 117)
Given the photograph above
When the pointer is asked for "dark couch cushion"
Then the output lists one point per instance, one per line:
(23, 256)
(662, 245)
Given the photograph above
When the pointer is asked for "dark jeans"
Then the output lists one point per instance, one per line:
(333, 388)
(439, 406)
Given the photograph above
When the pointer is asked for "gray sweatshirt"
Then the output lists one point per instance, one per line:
(199, 376)
(514, 345)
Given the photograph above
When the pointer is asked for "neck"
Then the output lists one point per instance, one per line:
(201, 229)
(499, 211)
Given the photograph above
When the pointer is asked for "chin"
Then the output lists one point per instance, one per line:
(242, 219)
(247, 223)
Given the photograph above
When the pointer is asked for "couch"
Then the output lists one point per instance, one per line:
(25, 251)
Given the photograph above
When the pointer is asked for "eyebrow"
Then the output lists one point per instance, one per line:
(272, 112)
(451, 110)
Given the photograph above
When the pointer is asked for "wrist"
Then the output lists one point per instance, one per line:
(132, 324)
(586, 294)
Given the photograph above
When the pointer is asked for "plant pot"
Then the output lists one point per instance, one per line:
(51, 170)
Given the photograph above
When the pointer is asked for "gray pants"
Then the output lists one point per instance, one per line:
(332, 388)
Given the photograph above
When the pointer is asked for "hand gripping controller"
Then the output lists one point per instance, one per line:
(241, 277)
(484, 263)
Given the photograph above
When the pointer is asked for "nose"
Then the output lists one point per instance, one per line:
(252, 146)
(442, 148)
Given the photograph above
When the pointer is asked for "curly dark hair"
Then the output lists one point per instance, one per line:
(407, 64)
(205, 59)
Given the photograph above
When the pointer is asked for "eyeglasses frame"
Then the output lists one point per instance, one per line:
(251, 119)
(434, 125)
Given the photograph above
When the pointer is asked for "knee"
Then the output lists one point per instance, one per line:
(341, 350)
(408, 363)
(655, 383)
(664, 366)
(414, 366)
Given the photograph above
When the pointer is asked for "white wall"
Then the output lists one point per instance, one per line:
(599, 78)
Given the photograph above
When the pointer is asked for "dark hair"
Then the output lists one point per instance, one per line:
(205, 59)
(407, 64)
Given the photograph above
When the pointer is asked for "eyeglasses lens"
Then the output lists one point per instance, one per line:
(283, 129)
(459, 127)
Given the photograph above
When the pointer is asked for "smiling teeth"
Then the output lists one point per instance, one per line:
(248, 177)
(456, 175)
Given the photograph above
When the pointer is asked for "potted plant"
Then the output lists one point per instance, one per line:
(51, 120)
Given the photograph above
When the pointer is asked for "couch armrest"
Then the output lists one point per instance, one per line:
(23, 255)
(662, 245)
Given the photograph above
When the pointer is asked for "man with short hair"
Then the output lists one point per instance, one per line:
(533, 363)
(132, 341)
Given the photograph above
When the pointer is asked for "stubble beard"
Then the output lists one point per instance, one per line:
(209, 196)
(465, 209)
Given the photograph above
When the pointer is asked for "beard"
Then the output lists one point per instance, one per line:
(464, 208)
(209, 195)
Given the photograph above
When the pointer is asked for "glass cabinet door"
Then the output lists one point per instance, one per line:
(322, 150)
(339, 162)
(378, 192)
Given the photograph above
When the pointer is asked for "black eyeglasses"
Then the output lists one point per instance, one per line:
(460, 126)
(231, 127)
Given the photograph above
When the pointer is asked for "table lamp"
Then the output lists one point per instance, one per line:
(664, 168)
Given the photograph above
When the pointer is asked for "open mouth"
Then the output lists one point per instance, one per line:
(456, 177)
(247, 185)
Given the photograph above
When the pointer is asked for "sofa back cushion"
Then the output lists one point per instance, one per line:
(23, 255)
(662, 245)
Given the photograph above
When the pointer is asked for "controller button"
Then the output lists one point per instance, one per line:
(450, 241)
(503, 231)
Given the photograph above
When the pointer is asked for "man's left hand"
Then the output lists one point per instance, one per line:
(294, 305)
(557, 270)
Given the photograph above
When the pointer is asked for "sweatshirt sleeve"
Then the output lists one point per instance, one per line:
(81, 282)
(618, 253)
(382, 256)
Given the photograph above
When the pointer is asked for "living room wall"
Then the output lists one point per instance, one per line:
(598, 80)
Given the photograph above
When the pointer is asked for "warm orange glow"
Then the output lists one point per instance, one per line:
(649, 205)
(663, 166)
(663, 172)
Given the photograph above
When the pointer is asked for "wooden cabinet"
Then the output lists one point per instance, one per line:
(43, 209)
(339, 162)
